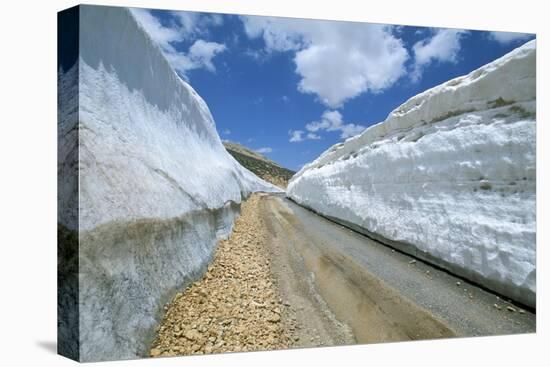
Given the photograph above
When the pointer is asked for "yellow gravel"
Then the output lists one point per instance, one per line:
(235, 306)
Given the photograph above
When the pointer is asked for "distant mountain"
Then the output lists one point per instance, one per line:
(259, 165)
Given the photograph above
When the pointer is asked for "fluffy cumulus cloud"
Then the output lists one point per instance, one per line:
(442, 46)
(185, 26)
(329, 121)
(279, 34)
(297, 136)
(332, 121)
(202, 53)
(336, 61)
(313, 136)
(505, 38)
(195, 24)
(164, 36)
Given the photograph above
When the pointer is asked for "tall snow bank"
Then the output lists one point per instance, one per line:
(157, 189)
(449, 176)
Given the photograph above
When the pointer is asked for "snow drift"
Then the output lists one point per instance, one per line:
(156, 188)
(449, 176)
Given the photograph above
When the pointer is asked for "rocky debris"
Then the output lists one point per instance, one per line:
(274, 317)
(236, 305)
(191, 334)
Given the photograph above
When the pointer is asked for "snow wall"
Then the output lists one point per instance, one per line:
(156, 187)
(449, 177)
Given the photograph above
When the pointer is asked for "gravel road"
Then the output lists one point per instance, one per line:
(383, 294)
(289, 278)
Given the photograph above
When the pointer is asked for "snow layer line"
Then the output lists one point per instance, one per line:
(449, 176)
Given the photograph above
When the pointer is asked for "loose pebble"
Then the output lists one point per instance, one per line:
(236, 306)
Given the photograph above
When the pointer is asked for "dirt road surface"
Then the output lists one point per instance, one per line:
(289, 278)
(382, 294)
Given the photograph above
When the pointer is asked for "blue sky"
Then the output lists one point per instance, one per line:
(291, 88)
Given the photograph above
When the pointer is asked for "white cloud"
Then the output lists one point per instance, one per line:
(186, 26)
(313, 136)
(333, 121)
(199, 56)
(336, 61)
(214, 19)
(508, 37)
(202, 53)
(279, 34)
(443, 46)
(285, 98)
(264, 150)
(318, 125)
(330, 121)
(257, 55)
(187, 20)
(197, 23)
(227, 132)
(296, 136)
(160, 34)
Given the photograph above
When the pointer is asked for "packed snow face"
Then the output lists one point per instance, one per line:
(449, 176)
(156, 189)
